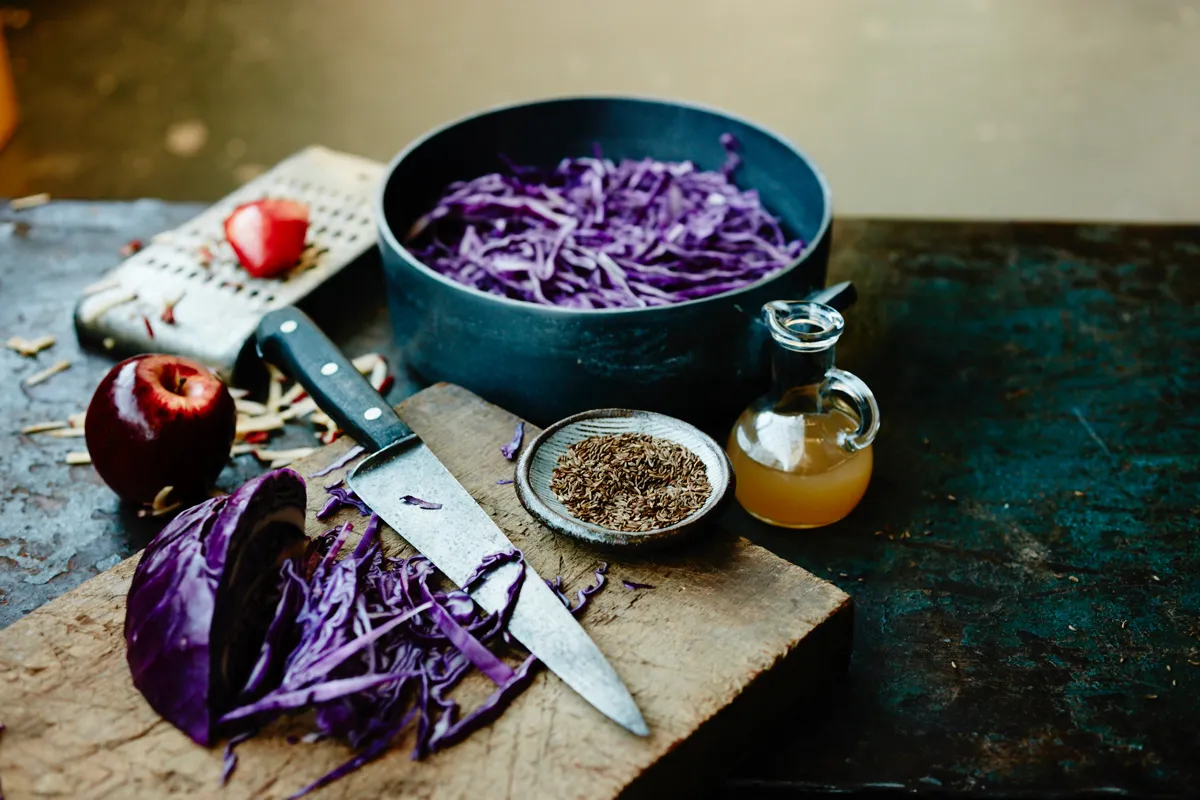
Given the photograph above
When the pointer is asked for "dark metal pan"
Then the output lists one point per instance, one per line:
(699, 360)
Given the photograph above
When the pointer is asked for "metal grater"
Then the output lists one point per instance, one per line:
(218, 303)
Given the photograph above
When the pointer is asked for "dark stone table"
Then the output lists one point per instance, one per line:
(1025, 566)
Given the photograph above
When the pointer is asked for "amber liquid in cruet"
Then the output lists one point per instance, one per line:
(801, 453)
(806, 482)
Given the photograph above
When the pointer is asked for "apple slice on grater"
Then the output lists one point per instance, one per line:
(186, 292)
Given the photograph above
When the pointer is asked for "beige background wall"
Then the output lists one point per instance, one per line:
(941, 108)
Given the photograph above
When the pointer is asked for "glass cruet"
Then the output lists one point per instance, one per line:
(802, 452)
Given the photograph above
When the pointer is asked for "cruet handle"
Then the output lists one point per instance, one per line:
(863, 400)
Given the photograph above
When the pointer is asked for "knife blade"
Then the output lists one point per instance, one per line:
(455, 537)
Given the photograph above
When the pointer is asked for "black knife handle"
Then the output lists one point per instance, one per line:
(292, 342)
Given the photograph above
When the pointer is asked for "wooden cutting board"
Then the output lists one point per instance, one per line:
(729, 636)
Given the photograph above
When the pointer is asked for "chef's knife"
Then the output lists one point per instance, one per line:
(455, 537)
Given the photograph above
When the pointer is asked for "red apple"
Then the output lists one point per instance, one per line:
(157, 421)
(268, 235)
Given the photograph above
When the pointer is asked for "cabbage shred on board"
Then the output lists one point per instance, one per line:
(593, 234)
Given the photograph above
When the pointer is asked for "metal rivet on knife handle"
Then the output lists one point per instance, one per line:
(289, 326)
(329, 369)
(372, 413)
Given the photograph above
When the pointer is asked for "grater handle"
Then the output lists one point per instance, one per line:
(292, 342)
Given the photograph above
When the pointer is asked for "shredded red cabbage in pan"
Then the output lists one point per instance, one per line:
(377, 648)
(593, 234)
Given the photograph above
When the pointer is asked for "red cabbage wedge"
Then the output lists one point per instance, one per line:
(204, 596)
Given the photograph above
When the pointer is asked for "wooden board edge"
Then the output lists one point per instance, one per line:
(697, 767)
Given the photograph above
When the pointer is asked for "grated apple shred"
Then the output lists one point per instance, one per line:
(44, 427)
(48, 373)
(280, 458)
(30, 347)
(96, 312)
(160, 507)
(29, 201)
(284, 403)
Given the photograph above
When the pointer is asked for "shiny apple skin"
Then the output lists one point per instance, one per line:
(157, 421)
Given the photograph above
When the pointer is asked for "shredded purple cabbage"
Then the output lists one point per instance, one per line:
(483, 659)
(339, 498)
(351, 454)
(489, 563)
(377, 649)
(513, 447)
(504, 481)
(592, 234)
(229, 760)
(631, 585)
(556, 586)
(419, 503)
(584, 594)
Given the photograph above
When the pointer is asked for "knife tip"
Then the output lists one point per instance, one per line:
(637, 726)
